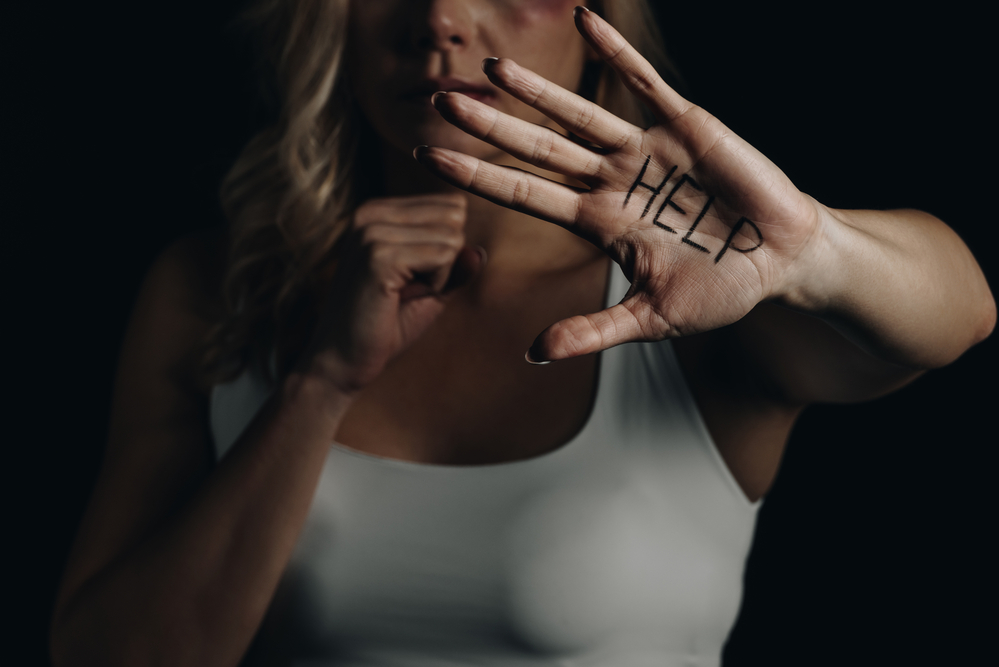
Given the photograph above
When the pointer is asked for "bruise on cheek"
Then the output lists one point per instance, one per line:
(547, 16)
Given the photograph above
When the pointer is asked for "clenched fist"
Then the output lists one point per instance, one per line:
(401, 258)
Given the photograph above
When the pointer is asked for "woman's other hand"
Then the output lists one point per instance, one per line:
(400, 259)
(703, 225)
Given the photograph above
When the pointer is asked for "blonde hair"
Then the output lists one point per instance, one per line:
(289, 195)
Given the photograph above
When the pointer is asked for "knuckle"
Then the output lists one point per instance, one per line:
(432, 257)
(369, 235)
(521, 191)
(359, 219)
(455, 237)
(643, 81)
(596, 166)
(454, 217)
(537, 91)
(382, 256)
(367, 213)
(584, 117)
(444, 235)
(543, 148)
(491, 127)
(445, 253)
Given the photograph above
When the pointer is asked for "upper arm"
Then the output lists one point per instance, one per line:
(158, 447)
(752, 379)
(799, 359)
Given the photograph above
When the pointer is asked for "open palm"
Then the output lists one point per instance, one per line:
(703, 225)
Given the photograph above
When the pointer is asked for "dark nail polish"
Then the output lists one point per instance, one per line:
(527, 358)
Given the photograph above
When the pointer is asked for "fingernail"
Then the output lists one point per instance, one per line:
(527, 358)
(416, 151)
(488, 62)
(433, 98)
(579, 10)
(483, 257)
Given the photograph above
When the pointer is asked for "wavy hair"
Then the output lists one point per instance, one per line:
(289, 195)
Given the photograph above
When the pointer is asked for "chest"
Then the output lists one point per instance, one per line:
(625, 547)
(509, 565)
(463, 394)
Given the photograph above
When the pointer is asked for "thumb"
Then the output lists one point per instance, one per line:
(586, 334)
(468, 264)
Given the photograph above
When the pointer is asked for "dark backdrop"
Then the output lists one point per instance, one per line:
(872, 547)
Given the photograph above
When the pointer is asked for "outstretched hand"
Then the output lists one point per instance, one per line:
(702, 224)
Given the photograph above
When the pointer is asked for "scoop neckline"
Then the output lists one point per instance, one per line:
(611, 287)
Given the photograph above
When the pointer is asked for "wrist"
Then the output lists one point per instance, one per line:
(811, 282)
(325, 367)
(314, 390)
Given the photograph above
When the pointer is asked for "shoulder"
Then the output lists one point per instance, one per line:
(189, 274)
(179, 302)
(159, 425)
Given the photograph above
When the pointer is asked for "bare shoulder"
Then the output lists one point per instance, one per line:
(749, 421)
(158, 448)
(180, 300)
(159, 408)
(187, 275)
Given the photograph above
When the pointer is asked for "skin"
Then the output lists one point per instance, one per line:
(836, 305)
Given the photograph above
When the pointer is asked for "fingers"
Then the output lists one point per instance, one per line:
(635, 71)
(411, 234)
(414, 246)
(419, 260)
(526, 141)
(586, 334)
(582, 118)
(446, 209)
(468, 264)
(413, 270)
(506, 186)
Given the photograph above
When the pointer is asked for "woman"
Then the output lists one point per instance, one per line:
(479, 508)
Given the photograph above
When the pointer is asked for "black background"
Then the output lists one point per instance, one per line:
(873, 547)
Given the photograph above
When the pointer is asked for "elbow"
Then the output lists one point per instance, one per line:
(984, 321)
(985, 313)
(987, 320)
(979, 323)
(980, 327)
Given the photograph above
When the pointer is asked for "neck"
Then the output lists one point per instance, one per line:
(513, 241)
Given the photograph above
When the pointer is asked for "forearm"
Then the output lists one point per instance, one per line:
(900, 284)
(195, 590)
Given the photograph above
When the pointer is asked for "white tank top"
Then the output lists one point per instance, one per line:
(623, 548)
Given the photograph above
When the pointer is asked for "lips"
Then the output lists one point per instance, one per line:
(421, 92)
